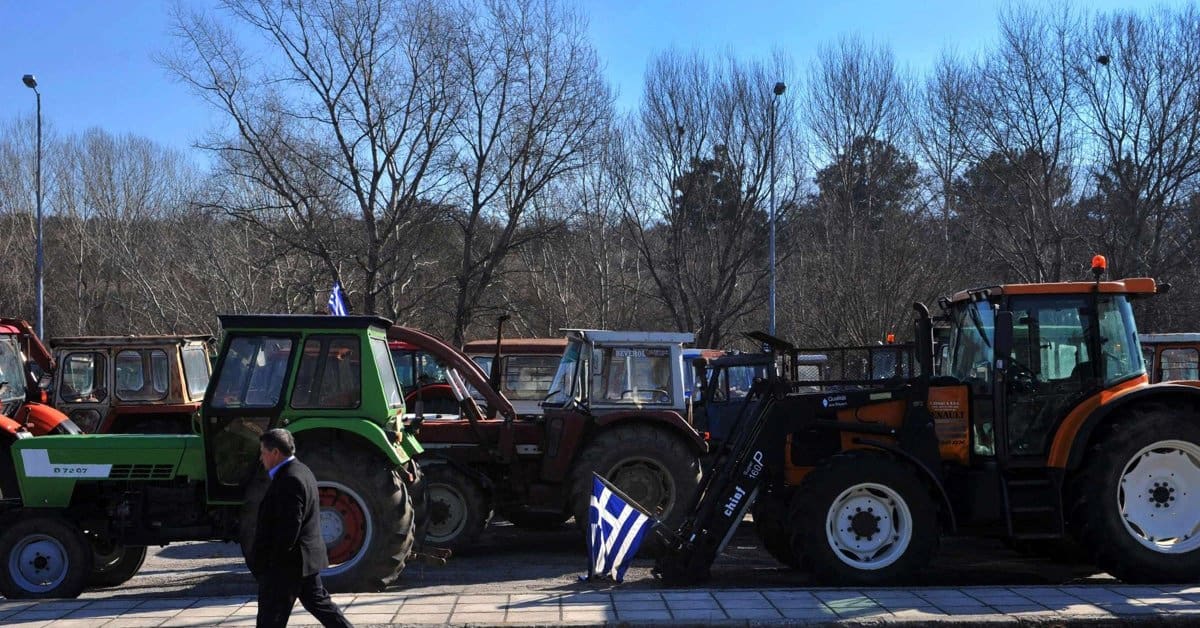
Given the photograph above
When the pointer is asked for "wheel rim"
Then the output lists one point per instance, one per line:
(869, 526)
(1157, 496)
(345, 526)
(646, 481)
(106, 556)
(447, 513)
(38, 563)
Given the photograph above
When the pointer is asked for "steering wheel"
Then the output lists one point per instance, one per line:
(1021, 376)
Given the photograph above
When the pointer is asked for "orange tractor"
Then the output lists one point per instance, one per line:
(1039, 425)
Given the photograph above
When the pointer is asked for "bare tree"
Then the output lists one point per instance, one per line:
(699, 185)
(345, 132)
(863, 231)
(1022, 137)
(535, 105)
(1138, 77)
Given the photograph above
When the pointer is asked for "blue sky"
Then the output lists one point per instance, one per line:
(94, 63)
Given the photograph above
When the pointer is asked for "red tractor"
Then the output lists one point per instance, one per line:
(24, 362)
(616, 406)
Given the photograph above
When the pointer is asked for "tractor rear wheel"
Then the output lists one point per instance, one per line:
(458, 508)
(655, 468)
(770, 514)
(366, 518)
(1137, 498)
(418, 490)
(43, 556)
(114, 564)
(864, 519)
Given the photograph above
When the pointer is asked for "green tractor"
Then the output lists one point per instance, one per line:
(79, 510)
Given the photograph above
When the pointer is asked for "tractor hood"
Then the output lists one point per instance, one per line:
(471, 373)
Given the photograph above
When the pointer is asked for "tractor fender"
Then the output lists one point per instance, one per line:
(9, 428)
(367, 431)
(41, 420)
(672, 420)
(10, 432)
(1167, 392)
(948, 518)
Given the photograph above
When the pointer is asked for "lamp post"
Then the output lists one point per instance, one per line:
(39, 266)
(779, 88)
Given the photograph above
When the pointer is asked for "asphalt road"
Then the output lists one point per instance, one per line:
(510, 560)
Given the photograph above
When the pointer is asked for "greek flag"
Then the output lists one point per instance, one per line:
(337, 301)
(615, 530)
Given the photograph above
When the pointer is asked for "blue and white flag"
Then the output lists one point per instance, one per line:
(615, 530)
(337, 301)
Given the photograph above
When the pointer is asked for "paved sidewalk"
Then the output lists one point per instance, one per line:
(1179, 605)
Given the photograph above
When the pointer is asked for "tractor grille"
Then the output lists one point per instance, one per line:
(141, 472)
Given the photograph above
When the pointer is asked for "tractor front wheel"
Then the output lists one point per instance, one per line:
(43, 556)
(114, 564)
(864, 519)
(652, 466)
(1137, 498)
(458, 508)
(770, 514)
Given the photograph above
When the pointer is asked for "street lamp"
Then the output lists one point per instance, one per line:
(779, 88)
(39, 266)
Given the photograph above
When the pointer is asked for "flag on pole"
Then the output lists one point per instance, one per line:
(615, 530)
(337, 300)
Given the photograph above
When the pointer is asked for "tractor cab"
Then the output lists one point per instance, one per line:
(615, 370)
(131, 384)
(1029, 353)
(305, 372)
(13, 379)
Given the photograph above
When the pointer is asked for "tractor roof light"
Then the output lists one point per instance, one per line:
(1099, 266)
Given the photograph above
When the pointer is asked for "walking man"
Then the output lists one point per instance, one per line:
(289, 553)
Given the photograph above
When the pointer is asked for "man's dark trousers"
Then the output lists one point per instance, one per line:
(289, 552)
(276, 596)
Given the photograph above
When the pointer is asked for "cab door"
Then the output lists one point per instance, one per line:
(82, 387)
(244, 400)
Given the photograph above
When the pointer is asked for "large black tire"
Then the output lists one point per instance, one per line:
(418, 490)
(652, 466)
(42, 556)
(1135, 497)
(113, 565)
(771, 525)
(366, 506)
(875, 509)
(459, 510)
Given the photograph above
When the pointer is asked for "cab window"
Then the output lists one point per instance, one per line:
(141, 375)
(1179, 364)
(633, 375)
(82, 378)
(195, 370)
(252, 372)
(329, 375)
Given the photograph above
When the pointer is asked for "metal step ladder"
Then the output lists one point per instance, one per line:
(1033, 503)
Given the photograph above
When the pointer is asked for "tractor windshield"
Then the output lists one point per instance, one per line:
(565, 385)
(633, 375)
(970, 357)
(12, 370)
